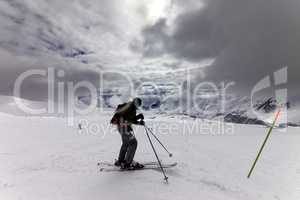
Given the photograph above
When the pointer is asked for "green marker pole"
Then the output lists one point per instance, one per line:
(263, 145)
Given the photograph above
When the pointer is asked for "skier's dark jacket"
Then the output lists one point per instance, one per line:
(126, 115)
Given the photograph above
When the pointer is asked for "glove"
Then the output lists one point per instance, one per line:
(140, 116)
(142, 123)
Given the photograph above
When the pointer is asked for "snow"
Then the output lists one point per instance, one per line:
(44, 158)
(8, 105)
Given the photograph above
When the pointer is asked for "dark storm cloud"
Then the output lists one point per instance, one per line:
(34, 87)
(192, 39)
(53, 28)
(249, 39)
(54, 34)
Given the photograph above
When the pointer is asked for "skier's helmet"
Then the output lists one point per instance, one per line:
(137, 102)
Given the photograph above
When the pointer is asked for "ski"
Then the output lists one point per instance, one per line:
(105, 163)
(108, 167)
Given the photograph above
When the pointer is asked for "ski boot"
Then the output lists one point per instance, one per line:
(118, 163)
(131, 166)
(137, 165)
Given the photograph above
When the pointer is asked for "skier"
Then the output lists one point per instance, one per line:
(124, 117)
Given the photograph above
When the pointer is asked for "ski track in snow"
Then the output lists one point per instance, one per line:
(43, 158)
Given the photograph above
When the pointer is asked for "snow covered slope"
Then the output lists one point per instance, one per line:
(8, 105)
(43, 158)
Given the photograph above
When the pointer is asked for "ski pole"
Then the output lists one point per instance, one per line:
(170, 154)
(162, 169)
(264, 143)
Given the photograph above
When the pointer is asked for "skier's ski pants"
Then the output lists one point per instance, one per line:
(129, 145)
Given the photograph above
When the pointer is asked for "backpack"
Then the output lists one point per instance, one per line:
(115, 120)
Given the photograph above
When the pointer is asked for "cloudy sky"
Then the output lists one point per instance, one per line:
(150, 40)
